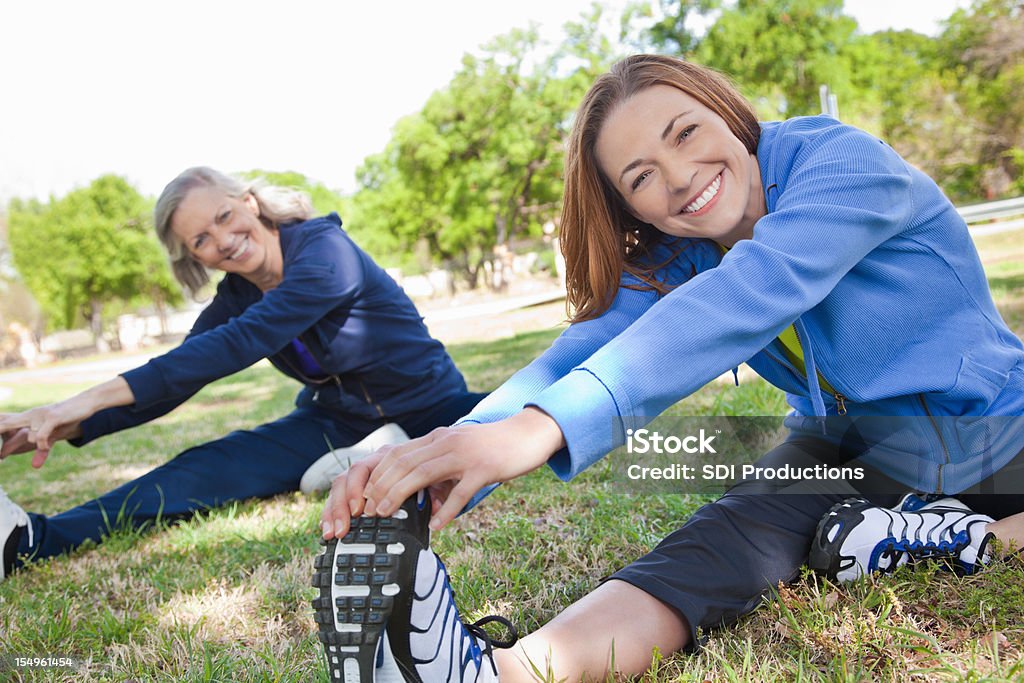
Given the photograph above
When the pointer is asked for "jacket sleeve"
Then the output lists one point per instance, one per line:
(324, 274)
(845, 194)
(579, 342)
(113, 420)
(572, 347)
(677, 261)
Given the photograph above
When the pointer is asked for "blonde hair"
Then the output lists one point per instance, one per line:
(600, 239)
(278, 206)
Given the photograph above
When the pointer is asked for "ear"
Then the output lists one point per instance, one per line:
(254, 206)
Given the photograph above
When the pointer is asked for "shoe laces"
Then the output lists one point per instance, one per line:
(924, 546)
(476, 629)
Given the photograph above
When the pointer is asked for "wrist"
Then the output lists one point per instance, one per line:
(542, 429)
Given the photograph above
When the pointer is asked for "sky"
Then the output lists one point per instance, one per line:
(147, 89)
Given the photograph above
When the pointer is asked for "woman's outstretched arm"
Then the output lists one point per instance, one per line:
(39, 428)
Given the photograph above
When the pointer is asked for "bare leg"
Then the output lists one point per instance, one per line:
(616, 621)
(1009, 531)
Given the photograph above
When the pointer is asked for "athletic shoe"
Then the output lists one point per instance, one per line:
(381, 583)
(13, 523)
(856, 538)
(428, 638)
(913, 502)
(322, 472)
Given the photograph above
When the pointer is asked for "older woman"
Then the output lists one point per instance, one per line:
(298, 292)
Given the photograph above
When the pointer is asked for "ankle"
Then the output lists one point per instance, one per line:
(1008, 533)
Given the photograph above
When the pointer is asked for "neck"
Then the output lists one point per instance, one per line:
(265, 280)
(271, 271)
(757, 207)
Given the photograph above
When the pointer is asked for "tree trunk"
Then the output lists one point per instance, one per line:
(96, 325)
(161, 312)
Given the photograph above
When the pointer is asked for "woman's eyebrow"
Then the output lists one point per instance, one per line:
(664, 134)
(668, 128)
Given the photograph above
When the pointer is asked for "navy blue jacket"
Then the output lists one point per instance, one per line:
(378, 358)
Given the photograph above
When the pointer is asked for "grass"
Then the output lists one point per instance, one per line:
(225, 596)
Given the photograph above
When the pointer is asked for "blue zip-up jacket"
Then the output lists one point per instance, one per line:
(876, 270)
(378, 358)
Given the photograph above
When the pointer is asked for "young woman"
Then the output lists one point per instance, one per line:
(697, 239)
(297, 291)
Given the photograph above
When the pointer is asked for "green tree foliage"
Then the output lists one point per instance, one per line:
(781, 51)
(478, 167)
(325, 200)
(982, 51)
(93, 247)
(672, 32)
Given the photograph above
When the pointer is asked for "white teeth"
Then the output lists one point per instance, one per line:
(241, 249)
(705, 197)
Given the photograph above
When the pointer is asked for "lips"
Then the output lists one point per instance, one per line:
(241, 252)
(703, 200)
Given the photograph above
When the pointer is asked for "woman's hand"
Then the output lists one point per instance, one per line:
(452, 463)
(342, 503)
(463, 459)
(39, 428)
(19, 440)
(346, 500)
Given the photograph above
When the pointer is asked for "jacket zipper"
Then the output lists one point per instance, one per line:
(366, 395)
(311, 380)
(938, 433)
(337, 381)
(839, 398)
(840, 403)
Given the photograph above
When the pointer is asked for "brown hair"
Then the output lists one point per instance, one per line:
(599, 238)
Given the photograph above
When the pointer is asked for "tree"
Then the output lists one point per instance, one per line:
(671, 32)
(477, 167)
(982, 50)
(90, 248)
(325, 200)
(781, 51)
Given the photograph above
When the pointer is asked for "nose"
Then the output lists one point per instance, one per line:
(679, 176)
(224, 240)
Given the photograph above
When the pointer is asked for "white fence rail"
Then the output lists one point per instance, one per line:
(977, 216)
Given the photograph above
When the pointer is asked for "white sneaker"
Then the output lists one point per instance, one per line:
(385, 603)
(321, 473)
(857, 538)
(12, 519)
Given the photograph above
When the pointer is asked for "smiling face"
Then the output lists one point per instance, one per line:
(679, 168)
(226, 233)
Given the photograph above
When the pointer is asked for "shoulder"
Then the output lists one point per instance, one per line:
(787, 146)
(674, 260)
(296, 235)
(319, 240)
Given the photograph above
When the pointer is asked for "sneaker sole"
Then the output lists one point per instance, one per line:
(358, 578)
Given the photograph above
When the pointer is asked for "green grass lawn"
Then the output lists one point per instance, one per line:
(225, 596)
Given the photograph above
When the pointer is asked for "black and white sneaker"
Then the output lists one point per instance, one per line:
(857, 537)
(428, 638)
(13, 523)
(359, 577)
(385, 597)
